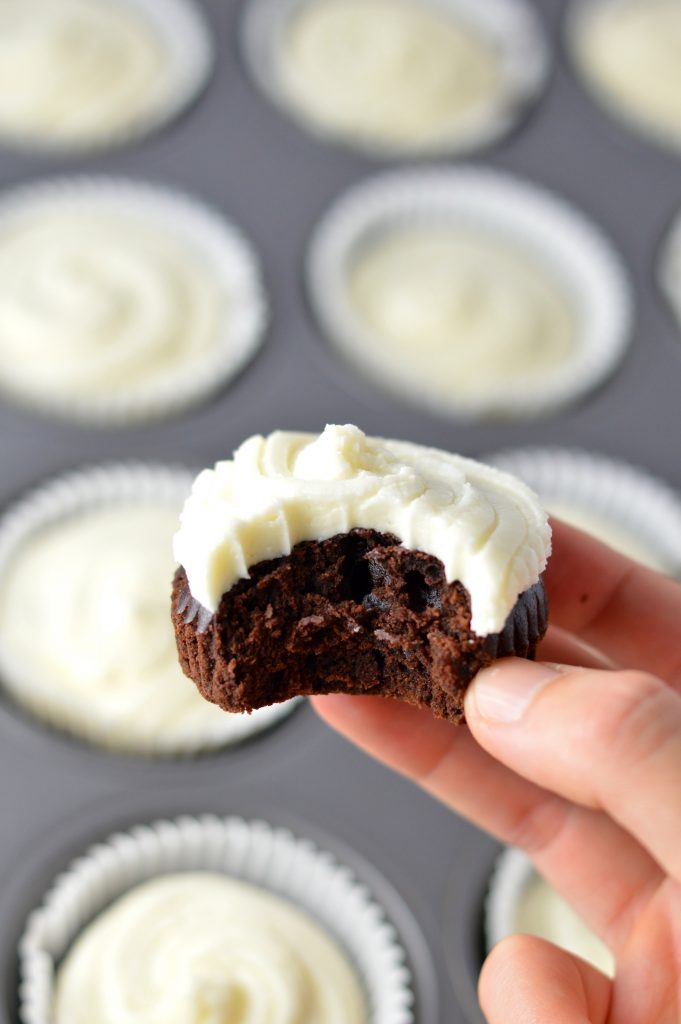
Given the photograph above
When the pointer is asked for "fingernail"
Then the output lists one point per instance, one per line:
(503, 692)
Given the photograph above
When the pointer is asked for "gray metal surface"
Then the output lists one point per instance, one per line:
(235, 150)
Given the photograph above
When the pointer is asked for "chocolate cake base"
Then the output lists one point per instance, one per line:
(357, 613)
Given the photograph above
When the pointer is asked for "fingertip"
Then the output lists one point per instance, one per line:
(503, 692)
(526, 978)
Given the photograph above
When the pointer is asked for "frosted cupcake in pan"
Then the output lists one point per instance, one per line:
(469, 292)
(85, 643)
(211, 919)
(83, 74)
(398, 76)
(627, 52)
(121, 302)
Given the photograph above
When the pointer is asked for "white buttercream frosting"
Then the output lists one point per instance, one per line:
(457, 311)
(630, 51)
(97, 303)
(541, 911)
(205, 949)
(85, 625)
(75, 71)
(396, 70)
(486, 527)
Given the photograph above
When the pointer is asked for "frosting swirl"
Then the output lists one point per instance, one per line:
(486, 527)
(76, 70)
(459, 311)
(95, 587)
(99, 304)
(399, 71)
(205, 949)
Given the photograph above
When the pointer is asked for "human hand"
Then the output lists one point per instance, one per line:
(581, 768)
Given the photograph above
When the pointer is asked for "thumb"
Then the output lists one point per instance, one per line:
(529, 981)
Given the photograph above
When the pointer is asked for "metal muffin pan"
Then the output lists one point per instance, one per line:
(237, 151)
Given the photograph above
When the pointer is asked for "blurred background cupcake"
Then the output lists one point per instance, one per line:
(86, 74)
(86, 642)
(405, 77)
(621, 505)
(628, 53)
(469, 292)
(121, 302)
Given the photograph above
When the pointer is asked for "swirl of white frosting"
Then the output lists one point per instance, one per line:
(486, 527)
(95, 589)
(76, 70)
(460, 311)
(400, 71)
(629, 51)
(205, 949)
(94, 303)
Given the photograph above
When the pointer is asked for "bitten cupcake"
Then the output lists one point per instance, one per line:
(340, 562)
(85, 74)
(84, 566)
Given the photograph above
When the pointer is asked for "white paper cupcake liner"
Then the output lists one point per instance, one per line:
(563, 240)
(252, 851)
(511, 26)
(669, 269)
(62, 499)
(633, 501)
(511, 876)
(203, 231)
(187, 42)
(577, 27)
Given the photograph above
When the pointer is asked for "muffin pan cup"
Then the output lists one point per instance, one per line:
(580, 259)
(211, 238)
(511, 26)
(251, 851)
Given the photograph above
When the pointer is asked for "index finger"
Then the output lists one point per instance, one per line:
(628, 612)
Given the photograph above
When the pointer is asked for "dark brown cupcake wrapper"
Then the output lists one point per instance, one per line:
(524, 627)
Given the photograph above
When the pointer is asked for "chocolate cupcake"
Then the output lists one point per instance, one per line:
(342, 563)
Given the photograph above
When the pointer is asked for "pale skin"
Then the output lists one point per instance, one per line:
(581, 768)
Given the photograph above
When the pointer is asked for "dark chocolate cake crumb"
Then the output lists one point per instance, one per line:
(358, 613)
